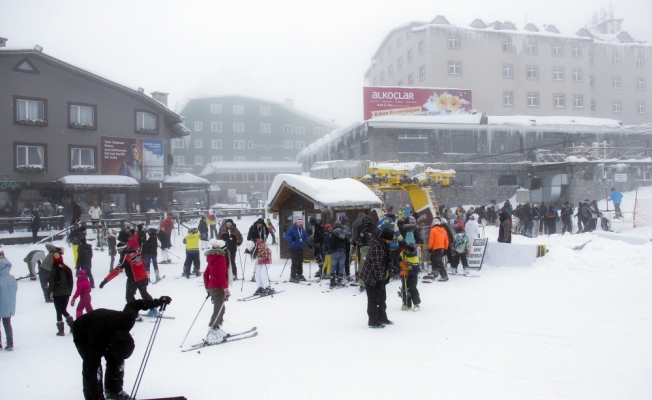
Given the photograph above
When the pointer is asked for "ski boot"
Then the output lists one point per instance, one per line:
(196, 272)
(158, 277)
(215, 335)
(339, 281)
(268, 291)
(417, 307)
(122, 395)
(152, 313)
(294, 280)
(453, 271)
(349, 278)
(301, 277)
(405, 307)
(466, 271)
(376, 326)
(442, 279)
(148, 279)
(333, 284)
(259, 292)
(387, 322)
(318, 274)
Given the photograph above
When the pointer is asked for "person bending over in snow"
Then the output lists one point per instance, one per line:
(132, 262)
(32, 259)
(105, 333)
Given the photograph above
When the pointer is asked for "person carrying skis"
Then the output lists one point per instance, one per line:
(32, 259)
(217, 279)
(230, 234)
(104, 333)
(132, 263)
(410, 278)
(8, 289)
(84, 293)
(192, 252)
(59, 289)
(460, 248)
(296, 236)
(375, 274)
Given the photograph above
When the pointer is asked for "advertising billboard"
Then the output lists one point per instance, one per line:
(141, 159)
(390, 101)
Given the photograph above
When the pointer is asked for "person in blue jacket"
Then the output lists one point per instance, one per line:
(617, 198)
(297, 237)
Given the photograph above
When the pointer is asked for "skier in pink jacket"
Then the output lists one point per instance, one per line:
(84, 293)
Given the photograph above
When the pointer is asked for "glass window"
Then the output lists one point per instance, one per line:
(616, 83)
(30, 156)
(288, 144)
(265, 111)
(351, 152)
(238, 127)
(199, 160)
(382, 76)
(507, 180)
(591, 81)
(390, 70)
(507, 45)
(216, 109)
(179, 160)
(533, 99)
(177, 144)
(549, 143)
(265, 159)
(531, 46)
(559, 100)
(577, 75)
(216, 158)
(410, 80)
(299, 144)
(399, 42)
(421, 47)
(145, 121)
(216, 126)
(577, 51)
(615, 59)
(288, 159)
(319, 130)
(640, 83)
(199, 143)
(464, 179)
(409, 56)
(558, 74)
(82, 116)
(238, 109)
(399, 63)
(265, 128)
(641, 107)
(461, 144)
(250, 144)
(300, 130)
(578, 101)
(239, 158)
(412, 144)
(508, 98)
(640, 61)
(557, 49)
(504, 144)
(216, 144)
(199, 126)
(422, 72)
(30, 110)
(453, 42)
(82, 157)
(592, 106)
(508, 71)
(454, 68)
(238, 144)
(364, 149)
(532, 72)
(288, 129)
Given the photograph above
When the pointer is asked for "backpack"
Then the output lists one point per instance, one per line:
(460, 243)
(409, 237)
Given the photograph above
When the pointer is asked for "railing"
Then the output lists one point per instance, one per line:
(23, 224)
(595, 153)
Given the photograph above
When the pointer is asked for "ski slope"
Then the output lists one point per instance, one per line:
(576, 324)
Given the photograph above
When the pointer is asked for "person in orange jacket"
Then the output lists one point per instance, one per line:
(438, 243)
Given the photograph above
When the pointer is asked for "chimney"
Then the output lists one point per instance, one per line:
(3, 42)
(160, 96)
(289, 102)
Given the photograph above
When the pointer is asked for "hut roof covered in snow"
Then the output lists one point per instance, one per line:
(337, 194)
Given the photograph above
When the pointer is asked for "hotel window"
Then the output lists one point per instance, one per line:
(288, 159)
(577, 51)
(557, 49)
(409, 56)
(239, 144)
(216, 158)
(559, 100)
(265, 159)
(531, 46)
(399, 63)
(422, 72)
(216, 126)
(199, 160)
(216, 144)
(616, 83)
(299, 144)
(421, 47)
(177, 143)
(508, 99)
(238, 127)
(265, 128)
(390, 70)
(82, 117)
(533, 99)
(199, 143)
(179, 160)
(558, 74)
(30, 112)
(577, 75)
(288, 129)
(145, 122)
(640, 83)
(578, 101)
(81, 157)
(265, 111)
(199, 126)
(532, 72)
(459, 143)
(400, 82)
(417, 144)
(238, 158)
(508, 71)
(453, 42)
(238, 109)
(351, 152)
(250, 144)
(364, 148)
(640, 61)
(300, 130)
(454, 68)
(508, 180)
(641, 107)
(319, 130)
(507, 45)
(216, 109)
(617, 106)
(410, 80)
(615, 59)
(288, 144)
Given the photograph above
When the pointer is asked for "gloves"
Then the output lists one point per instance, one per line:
(165, 300)
(102, 284)
(310, 246)
(72, 303)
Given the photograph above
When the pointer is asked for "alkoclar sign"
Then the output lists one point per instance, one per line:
(392, 96)
(5, 183)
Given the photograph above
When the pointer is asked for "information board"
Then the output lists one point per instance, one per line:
(476, 256)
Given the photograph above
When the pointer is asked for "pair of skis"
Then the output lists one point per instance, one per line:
(231, 337)
(258, 296)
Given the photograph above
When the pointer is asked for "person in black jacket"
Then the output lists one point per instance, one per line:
(142, 236)
(231, 235)
(85, 259)
(505, 230)
(35, 225)
(105, 333)
(150, 252)
(203, 233)
(258, 230)
(124, 235)
(318, 242)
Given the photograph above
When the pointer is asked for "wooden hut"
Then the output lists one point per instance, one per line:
(294, 196)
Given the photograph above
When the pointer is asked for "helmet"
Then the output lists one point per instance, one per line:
(366, 220)
(192, 230)
(411, 248)
(459, 227)
(436, 221)
(328, 227)
(387, 235)
(344, 219)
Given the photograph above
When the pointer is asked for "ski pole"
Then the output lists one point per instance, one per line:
(169, 252)
(148, 351)
(193, 322)
(266, 266)
(243, 274)
(205, 341)
(286, 263)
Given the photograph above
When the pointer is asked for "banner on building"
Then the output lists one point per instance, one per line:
(400, 100)
(141, 159)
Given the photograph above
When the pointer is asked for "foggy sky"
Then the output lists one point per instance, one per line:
(315, 52)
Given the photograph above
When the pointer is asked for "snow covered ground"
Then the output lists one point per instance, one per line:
(576, 324)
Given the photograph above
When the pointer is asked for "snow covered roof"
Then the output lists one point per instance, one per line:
(328, 138)
(98, 181)
(526, 120)
(185, 178)
(278, 103)
(339, 194)
(252, 166)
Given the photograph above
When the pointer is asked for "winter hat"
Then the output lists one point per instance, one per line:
(218, 244)
(313, 220)
(458, 228)
(337, 224)
(81, 273)
(410, 248)
(299, 221)
(260, 221)
(387, 235)
(228, 221)
(328, 227)
(367, 221)
(436, 221)
(82, 228)
(344, 219)
(412, 220)
(120, 246)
